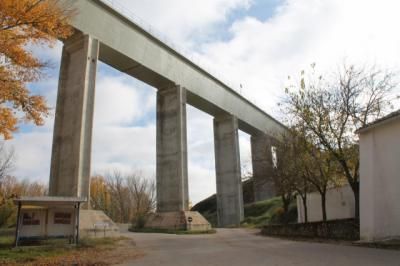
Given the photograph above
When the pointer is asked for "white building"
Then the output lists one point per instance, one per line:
(47, 217)
(380, 179)
(339, 205)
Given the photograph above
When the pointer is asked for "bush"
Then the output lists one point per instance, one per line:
(139, 222)
(8, 214)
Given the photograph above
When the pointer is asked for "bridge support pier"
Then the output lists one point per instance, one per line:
(72, 139)
(171, 172)
(227, 165)
(261, 155)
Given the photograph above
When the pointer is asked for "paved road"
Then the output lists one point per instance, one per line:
(246, 248)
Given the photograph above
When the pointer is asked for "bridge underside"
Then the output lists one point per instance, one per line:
(179, 82)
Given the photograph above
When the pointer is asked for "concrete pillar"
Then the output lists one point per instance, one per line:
(171, 172)
(261, 156)
(227, 166)
(70, 161)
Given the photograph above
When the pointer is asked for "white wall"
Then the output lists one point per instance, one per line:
(60, 229)
(339, 205)
(380, 182)
(47, 229)
(33, 230)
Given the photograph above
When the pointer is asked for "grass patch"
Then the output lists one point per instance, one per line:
(268, 212)
(11, 255)
(100, 242)
(255, 214)
(171, 231)
(49, 251)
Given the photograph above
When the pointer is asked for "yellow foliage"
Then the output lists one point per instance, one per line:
(23, 23)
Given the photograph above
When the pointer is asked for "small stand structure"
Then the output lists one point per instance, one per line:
(48, 217)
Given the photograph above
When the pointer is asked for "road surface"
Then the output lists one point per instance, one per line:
(245, 248)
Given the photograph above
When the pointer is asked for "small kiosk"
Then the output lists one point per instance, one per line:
(48, 217)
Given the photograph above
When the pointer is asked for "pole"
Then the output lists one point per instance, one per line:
(18, 222)
(77, 225)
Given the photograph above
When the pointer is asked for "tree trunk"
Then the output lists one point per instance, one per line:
(323, 204)
(304, 199)
(356, 191)
(286, 203)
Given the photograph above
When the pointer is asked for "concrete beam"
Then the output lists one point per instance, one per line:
(227, 166)
(130, 49)
(70, 160)
(171, 172)
(261, 156)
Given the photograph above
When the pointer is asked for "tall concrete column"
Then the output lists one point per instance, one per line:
(70, 161)
(171, 172)
(261, 155)
(227, 166)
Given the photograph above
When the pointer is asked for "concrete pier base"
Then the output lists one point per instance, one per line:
(95, 223)
(227, 166)
(70, 160)
(261, 156)
(181, 220)
(171, 172)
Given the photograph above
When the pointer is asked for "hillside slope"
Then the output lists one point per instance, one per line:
(256, 213)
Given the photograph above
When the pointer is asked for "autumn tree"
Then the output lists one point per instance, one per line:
(284, 172)
(6, 161)
(119, 195)
(332, 107)
(142, 197)
(99, 194)
(125, 198)
(299, 157)
(10, 188)
(321, 172)
(6, 165)
(24, 23)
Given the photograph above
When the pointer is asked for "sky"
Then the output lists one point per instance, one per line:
(252, 44)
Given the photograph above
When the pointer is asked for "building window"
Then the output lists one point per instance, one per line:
(62, 218)
(30, 218)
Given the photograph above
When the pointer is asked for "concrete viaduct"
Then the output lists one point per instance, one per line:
(104, 34)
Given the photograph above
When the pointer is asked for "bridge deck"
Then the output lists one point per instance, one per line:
(130, 49)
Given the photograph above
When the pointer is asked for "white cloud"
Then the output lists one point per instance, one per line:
(124, 149)
(116, 102)
(183, 21)
(32, 155)
(261, 54)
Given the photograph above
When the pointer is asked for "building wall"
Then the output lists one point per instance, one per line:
(34, 230)
(380, 181)
(46, 226)
(339, 205)
(60, 229)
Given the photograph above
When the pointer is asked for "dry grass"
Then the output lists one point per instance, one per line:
(101, 251)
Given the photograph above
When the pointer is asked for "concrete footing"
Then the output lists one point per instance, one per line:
(95, 223)
(179, 220)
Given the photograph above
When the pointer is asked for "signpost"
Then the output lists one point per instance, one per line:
(190, 219)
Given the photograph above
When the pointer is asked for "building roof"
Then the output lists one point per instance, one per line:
(46, 200)
(390, 117)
